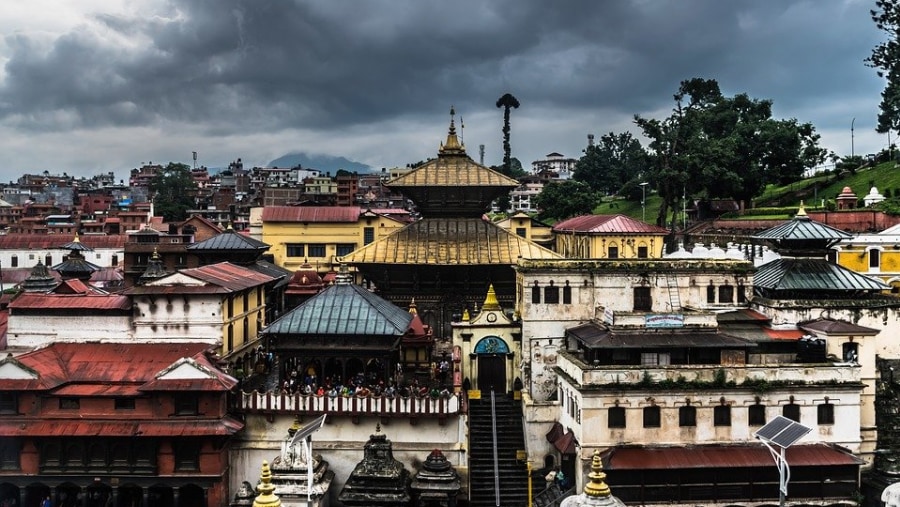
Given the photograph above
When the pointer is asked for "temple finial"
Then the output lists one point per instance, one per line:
(802, 211)
(596, 485)
(490, 301)
(452, 146)
(266, 497)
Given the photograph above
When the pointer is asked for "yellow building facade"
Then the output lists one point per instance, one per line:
(608, 237)
(875, 255)
(321, 235)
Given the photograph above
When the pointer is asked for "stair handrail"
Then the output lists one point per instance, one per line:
(496, 460)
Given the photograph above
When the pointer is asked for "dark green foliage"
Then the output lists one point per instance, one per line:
(565, 199)
(885, 59)
(613, 162)
(173, 192)
(507, 102)
(714, 146)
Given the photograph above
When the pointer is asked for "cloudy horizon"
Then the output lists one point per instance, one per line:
(106, 85)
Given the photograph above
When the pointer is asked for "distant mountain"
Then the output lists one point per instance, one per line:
(324, 163)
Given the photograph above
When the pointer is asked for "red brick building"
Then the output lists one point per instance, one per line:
(113, 424)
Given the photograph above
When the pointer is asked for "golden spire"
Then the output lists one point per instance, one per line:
(266, 497)
(802, 211)
(596, 486)
(466, 316)
(155, 255)
(452, 146)
(76, 240)
(412, 306)
(490, 302)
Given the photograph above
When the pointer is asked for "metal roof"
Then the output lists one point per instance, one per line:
(100, 364)
(801, 227)
(228, 275)
(607, 224)
(343, 309)
(450, 241)
(594, 335)
(812, 275)
(674, 458)
(51, 241)
(452, 170)
(37, 300)
(178, 427)
(311, 213)
(837, 327)
(229, 240)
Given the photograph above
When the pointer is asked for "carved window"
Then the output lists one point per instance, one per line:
(10, 449)
(187, 456)
(9, 402)
(186, 404)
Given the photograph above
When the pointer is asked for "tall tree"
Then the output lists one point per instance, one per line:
(886, 59)
(714, 146)
(564, 199)
(173, 191)
(507, 102)
(612, 163)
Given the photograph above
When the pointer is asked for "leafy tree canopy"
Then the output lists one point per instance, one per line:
(886, 59)
(611, 163)
(565, 199)
(715, 146)
(173, 192)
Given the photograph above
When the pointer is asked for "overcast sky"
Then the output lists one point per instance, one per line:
(91, 86)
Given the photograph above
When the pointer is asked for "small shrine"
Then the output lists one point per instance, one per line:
(244, 496)
(155, 269)
(596, 492)
(304, 284)
(266, 497)
(873, 197)
(846, 199)
(75, 265)
(437, 483)
(39, 280)
(300, 477)
(379, 479)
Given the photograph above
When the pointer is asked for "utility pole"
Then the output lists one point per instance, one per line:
(644, 201)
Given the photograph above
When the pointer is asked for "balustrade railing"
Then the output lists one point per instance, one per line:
(274, 402)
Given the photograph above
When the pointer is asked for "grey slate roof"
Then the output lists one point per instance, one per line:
(343, 309)
(802, 228)
(595, 336)
(229, 240)
(812, 275)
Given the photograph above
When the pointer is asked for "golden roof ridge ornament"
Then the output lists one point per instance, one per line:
(412, 306)
(802, 211)
(490, 301)
(452, 146)
(266, 497)
(596, 487)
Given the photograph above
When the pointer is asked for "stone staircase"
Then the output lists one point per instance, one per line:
(511, 471)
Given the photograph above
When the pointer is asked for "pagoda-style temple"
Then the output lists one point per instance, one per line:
(75, 265)
(379, 479)
(447, 259)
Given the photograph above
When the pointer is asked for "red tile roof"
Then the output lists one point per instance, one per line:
(783, 334)
(672, 458)
(311, 214)
(608, 224)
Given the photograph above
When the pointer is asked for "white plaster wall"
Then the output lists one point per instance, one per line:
(27, 258)
(199, 320)
(30, 331)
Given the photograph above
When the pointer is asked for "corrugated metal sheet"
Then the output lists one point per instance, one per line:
(230, 241)
(228, 275)
(801, 227)
(32, 300)
(60, 364)
(311, 213)
(608, 224)
(723, 457)
(837, 327)
(791, 274)
(596, 336)
(179, 427)
(343, 309)
(450, 241)
(36, 242)
(98, 390)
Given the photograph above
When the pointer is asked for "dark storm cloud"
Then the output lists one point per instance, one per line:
(236, 65)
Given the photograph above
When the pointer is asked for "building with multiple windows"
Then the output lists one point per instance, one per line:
(609, 237)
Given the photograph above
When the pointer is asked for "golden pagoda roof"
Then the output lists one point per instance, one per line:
(451, 242)
(452, 168)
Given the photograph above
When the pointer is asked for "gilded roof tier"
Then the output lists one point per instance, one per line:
(451, 242)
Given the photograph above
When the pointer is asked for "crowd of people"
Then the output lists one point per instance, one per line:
(360, 385)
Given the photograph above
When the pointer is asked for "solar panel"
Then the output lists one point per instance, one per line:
(782, 431)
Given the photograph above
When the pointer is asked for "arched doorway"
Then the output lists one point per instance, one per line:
(162, 496)
(9, 495)
(97, 495)
(67, 495)
(354, 368)
(35, 494)
(131, 496)
(490, 353)
(191, 495)
(334, 371)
